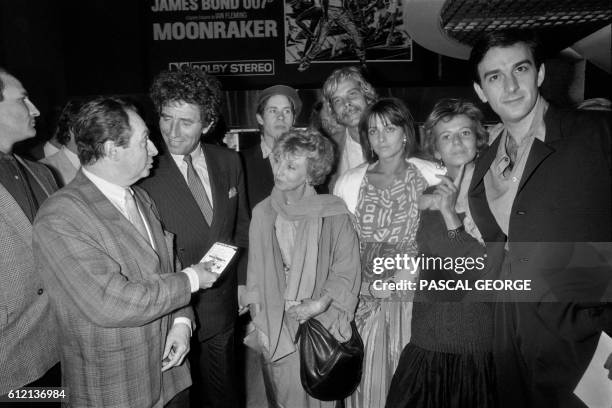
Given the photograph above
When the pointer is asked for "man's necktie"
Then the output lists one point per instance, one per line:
(198, 191)
(134, 215)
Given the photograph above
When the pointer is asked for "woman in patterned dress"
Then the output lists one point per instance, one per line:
(383, 196)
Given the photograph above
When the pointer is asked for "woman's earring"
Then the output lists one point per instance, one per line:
(440, 165)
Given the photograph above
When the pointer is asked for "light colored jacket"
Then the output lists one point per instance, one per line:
(348, 185)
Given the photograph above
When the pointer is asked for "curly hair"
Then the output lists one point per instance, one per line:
(445, 110)
(319, 152)
(344, 74)
(188, 85)
(99, 121)
(391, 110)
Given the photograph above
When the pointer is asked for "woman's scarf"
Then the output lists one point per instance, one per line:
(308, 214)
(273, 336)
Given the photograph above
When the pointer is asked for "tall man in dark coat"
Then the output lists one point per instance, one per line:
(541, 194)
(199, 190)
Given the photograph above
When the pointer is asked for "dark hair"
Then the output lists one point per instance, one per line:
(5, 72)
(65, 119)
(99, 121)
(503, 38)
(188, 85)
(391, 110)
(319, 152)
(445, 110)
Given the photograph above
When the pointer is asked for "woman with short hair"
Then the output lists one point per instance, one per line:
(303, 263)
(448, 362)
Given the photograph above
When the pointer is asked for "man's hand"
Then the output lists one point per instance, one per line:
(205, 276)
(177, 346)
(242, 308)
(308, 308)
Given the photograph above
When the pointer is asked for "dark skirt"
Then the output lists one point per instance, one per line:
(431, 379)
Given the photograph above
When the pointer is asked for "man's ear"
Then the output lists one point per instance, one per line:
(207, 128)
(110, 149)
(259, 119)
(480, 92)
(541, 74)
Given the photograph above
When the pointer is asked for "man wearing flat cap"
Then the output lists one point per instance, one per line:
(277, 108)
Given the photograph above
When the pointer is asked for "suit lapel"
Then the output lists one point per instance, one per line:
(539, 151)
(155, 226)
(14, 216)
(122, 229)
(483, 164)
(44, 186)
(218, 186)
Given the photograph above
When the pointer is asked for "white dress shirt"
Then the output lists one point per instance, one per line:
(73, 158)
(352, 154)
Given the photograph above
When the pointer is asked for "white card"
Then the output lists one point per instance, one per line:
(219, 255)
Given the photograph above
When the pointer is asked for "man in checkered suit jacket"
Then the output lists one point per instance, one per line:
(123, 312)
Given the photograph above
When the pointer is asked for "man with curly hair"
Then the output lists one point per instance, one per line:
(200, 192)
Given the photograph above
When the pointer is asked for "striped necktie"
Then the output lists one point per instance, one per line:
(198, 191)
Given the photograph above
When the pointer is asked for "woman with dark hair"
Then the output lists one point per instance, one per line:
(383, 195)
(303, 263)
(448, 362)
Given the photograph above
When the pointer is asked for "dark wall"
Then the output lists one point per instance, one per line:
(74, 48)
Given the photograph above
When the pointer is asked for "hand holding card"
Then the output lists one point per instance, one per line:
(219, 256)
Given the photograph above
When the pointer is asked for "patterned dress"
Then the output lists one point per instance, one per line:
(387, 222)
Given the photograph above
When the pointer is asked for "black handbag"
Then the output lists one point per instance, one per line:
(329, 370)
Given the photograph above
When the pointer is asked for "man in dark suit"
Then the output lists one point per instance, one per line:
(277, 108)
(199, 190)
(541, 195)
(28, 347)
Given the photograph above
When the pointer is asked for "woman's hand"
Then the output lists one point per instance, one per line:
(446, 195)
(309, 308)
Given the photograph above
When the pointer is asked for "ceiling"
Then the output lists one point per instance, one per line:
(449, 27)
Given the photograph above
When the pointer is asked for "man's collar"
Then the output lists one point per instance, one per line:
(108, 188)
(73, 158)
(195, 154)
(266, 151)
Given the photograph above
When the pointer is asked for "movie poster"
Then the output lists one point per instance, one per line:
(251, 44)
(332, 31)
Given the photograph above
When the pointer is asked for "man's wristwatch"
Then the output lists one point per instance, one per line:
(454, 233)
